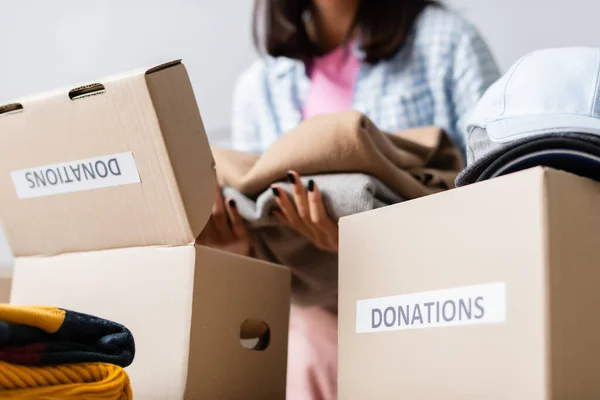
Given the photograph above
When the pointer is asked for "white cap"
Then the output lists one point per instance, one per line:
(552, 90)
(545, 94)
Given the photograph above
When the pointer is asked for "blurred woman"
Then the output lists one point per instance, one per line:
(403, 63)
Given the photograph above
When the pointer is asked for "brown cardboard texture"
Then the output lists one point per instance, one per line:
(5, 286)
(186, 307)
(131, 149)
(103, 190)
(489, 291)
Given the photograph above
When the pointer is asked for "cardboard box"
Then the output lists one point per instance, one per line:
(6, 268)
(103, 191)
(489, 291)
(5, 286)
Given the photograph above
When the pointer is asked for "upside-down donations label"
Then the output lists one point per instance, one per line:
(76, 176)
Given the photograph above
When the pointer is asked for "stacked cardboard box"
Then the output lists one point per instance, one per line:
(103, 191)
(5, 285)
(6, 263)
(490, 291)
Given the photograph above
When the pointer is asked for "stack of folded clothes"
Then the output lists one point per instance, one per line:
(357, 168)
(52, 353)
(545, 111)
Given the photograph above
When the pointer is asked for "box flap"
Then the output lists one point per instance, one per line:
(118, 162)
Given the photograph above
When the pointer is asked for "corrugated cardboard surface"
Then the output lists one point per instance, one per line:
(152, 114)
(537, 231)
(184, 305)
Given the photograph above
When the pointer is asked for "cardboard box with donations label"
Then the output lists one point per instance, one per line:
(489, 291)
(103, 191)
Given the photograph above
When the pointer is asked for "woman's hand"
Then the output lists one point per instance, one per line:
(225, 229)
(308, 216)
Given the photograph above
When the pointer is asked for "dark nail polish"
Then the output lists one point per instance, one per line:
(311, 185)
(275, 191)
(427, 178)
(291, 178)
(232, 203)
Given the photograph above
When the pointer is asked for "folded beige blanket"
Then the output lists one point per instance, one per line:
(412, 163)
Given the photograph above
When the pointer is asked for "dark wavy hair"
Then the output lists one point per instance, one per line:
(383, 24)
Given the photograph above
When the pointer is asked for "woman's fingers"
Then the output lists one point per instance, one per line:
(319, 217)
(289, 212)
(286, 206)
(281, 218)
(237, 224)
(306, 213)
(302, 208)
(300, 196)
(219, 217)
(313, 235)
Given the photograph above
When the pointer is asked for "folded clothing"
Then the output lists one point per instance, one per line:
(542, 112)
(578, 153)
(39, 335)
(53, 353)
(357, 168)
(70, 381)
(412, 163)
(315, 272)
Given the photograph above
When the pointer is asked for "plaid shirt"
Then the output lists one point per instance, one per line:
(435, 79)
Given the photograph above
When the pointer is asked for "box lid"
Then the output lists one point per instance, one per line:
(120, 162)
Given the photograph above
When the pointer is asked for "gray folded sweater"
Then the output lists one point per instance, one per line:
(315, 271)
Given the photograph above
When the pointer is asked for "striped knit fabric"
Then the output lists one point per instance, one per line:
(52, 353)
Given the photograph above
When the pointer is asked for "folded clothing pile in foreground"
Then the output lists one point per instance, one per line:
(356, 167)
(48, 352)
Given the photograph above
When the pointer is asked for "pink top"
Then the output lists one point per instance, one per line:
(332, 79)
(312, 352)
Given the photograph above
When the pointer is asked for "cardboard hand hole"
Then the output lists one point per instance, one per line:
(11, 108)
(255, 335)
(86, 91)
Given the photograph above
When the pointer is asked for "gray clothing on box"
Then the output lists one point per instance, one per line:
(315, 270)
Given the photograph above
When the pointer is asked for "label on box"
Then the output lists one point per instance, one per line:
(467, 305)
(76, 176)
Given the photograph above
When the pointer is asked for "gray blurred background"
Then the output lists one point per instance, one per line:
(61, 43)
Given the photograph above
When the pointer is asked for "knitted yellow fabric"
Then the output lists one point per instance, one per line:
(46, 318)
(84, 381)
